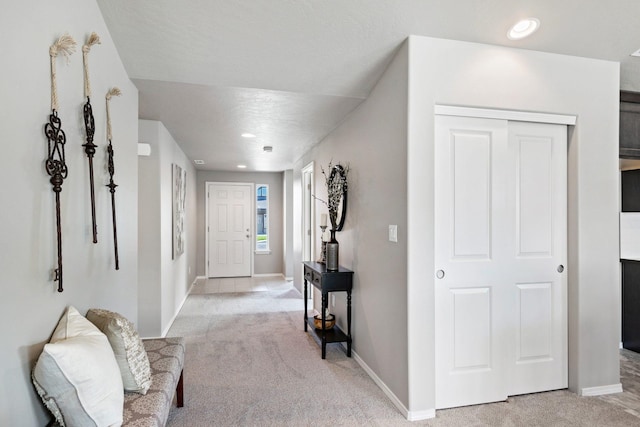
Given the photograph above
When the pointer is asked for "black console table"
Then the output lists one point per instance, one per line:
(328, 281)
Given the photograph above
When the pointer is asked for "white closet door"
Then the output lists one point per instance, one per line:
(537, 198)
(470, 354)
(499, 309)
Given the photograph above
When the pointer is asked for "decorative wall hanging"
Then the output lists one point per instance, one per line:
(55, 164)
(89, 124)
(110, 167)
(337, 194)
(179, 196)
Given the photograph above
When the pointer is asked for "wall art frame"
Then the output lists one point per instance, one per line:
(179, 181)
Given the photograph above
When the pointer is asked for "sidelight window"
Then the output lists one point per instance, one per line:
(262, 218)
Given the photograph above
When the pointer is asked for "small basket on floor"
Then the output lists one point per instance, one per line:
(329, 321)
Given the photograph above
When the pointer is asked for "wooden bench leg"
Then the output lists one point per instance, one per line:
(179, 390)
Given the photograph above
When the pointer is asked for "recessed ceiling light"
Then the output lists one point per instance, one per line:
(242, 166)
(523, 28)
(199, 162)
(248, 135)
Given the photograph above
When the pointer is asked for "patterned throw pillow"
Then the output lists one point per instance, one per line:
(77, 375)
(127, 346)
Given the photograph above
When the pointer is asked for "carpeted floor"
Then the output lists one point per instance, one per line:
(249, 363)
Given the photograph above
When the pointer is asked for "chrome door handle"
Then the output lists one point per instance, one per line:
(440, 274)
(560, 268)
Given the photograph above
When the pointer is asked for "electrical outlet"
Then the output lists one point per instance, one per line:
(393, 233)
(333, 301)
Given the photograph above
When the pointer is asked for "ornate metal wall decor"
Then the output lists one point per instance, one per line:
(55, 163)
(336, 181)
(89, 123)
(110, 167)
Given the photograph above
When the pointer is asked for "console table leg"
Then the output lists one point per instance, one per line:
(348, 323)
(305, 305)
(324, 310)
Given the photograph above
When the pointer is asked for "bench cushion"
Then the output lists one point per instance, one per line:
(166, 356)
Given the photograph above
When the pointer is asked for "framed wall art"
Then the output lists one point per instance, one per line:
(179, 179)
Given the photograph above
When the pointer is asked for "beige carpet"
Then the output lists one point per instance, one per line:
(249, 363)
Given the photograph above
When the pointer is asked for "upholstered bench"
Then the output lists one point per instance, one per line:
(96, 371)
(166, 356)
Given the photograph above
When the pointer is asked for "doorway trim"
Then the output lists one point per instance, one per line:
(308, 239)
(512, 115)
(307, 203)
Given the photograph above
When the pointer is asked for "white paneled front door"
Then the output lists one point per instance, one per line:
(500, 244)
(229, 229)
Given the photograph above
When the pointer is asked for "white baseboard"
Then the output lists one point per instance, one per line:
(421, 415)
(166, 330)
(409, 415)
(269, 275)
(600, 390)
(288, 279)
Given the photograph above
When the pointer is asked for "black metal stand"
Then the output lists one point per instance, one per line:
(57, 169)
(112, 189)
(90, 150)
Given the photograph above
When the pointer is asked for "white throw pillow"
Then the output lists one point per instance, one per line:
(77, 376)
(127, 347)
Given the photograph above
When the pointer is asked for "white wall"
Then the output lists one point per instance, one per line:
(163, 282)
(372, 140)
(30, 304)
(262, 263)
(460, 73)
(149, 237)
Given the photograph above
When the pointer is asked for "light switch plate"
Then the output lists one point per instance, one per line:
(393, 233)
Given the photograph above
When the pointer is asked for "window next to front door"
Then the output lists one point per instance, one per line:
(262, 218)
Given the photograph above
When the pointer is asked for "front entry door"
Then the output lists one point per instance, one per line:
(229, 229)
(500, 244)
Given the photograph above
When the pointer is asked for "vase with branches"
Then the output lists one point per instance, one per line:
(336, 182)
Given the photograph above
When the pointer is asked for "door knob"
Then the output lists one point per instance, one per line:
(560, 268)
(247, 236)
(440, 274)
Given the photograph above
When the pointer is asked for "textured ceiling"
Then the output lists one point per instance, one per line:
(207, 122)
(289, 71)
